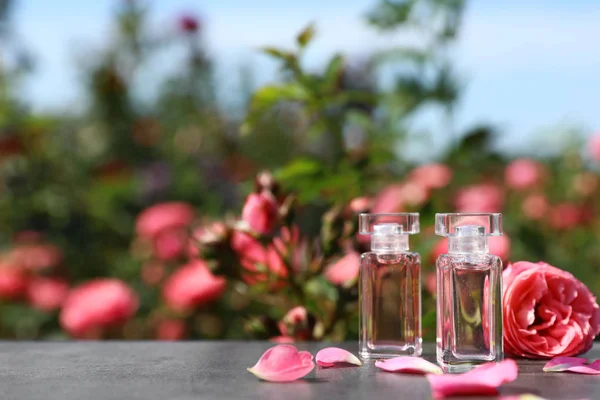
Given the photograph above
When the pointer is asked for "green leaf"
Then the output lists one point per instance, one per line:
(277, 53)
(333, 73)
(267, 97)
(306, 35)
(300, 168)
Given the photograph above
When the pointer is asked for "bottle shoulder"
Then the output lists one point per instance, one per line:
(408, 256)
(469, 260)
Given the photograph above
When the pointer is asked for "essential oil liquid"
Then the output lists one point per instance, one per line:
(469, 326)
(390, 305)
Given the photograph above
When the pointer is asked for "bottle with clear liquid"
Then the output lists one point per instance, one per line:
(389, 288)
(469, 292)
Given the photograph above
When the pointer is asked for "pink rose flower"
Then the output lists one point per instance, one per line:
(188, 23)
(344, 270)
(485, 197)
(47, 294)
(193, 285)
(523, 174)
(295, 324)
(163, 216)
(212, 233)
(260, 212)
(13, 282)
(535, 206)
(152, 273)
(96, 305)
(360, 204)
(388, 200)
(28, 237)
(594, 147)
(547, 312)
(394, 198)
(255, 258)
(431, 283)
(431, 176)
(36, 257)
(170, 244)
(171, 329)
(565, 216)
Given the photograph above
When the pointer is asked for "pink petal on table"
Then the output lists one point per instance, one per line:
(483, 380)
(558, 364)
(331, 355)
(283, 363)
(589, 369)
(409, 365)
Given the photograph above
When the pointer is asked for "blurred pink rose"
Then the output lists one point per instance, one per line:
(594, 147)
(498, 245)
(295, 324)
(96, 305)
(289, 240)
(431, 283)
(170, 244)
(47, 294)
(485, 197)
(535, 206)
(360, 204)
(394, 198)
(28, 237)
(212, 233)
(413, 194)
(565, 216)
(171, 329)
(260, 212)
(344, 270)
(188, 23)
(152, 273)
(523, 174)
(282, 339)
(163, 216)
(431, 176)
(193, 285)
(585, 183)
(547, 312)
(256, 258)
(36, 257)
(388, 200)
(13, 281)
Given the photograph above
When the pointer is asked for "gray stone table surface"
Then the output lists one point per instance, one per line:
(217, 370)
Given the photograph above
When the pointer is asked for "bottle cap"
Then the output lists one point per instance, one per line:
(468, 224)
(390, 224)
(389, 232)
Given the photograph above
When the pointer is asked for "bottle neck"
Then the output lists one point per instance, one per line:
(468, 245)
(390, 244)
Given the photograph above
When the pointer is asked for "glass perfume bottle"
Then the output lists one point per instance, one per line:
(469, 292)
(389, 288)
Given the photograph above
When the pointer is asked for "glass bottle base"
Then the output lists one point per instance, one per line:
(390, 352)
(461, 366)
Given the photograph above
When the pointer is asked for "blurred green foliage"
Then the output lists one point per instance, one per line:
(329, 136)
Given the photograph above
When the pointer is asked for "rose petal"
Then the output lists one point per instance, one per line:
(558, 364)
(409, 365)
(331, 355)
(573, 364)
(483, 380)
(283, 363)
(589, 369)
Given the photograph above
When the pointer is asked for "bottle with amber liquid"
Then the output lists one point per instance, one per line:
(389, 288)
(469, 292)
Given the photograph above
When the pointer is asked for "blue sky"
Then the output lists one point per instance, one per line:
(528, 64)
